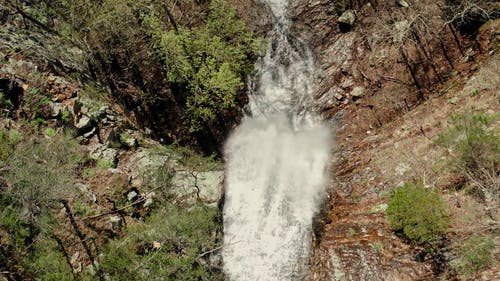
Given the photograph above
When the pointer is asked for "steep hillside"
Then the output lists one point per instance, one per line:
(397, 77)
(113, 115)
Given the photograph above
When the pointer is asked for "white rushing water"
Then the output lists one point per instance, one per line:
(277, 162)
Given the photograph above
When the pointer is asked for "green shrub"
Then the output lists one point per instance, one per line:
(183, 233)
(211, 61)
(48, 263)
(49, 132)
(40, 171)
(66, 116)
(474, 255)
(420, 213)
(475, 147)
(8, 141)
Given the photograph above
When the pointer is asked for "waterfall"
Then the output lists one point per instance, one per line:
(277, 162)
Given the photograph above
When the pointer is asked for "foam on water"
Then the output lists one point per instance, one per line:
(276, 165)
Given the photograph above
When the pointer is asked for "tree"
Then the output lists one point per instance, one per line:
(210, 61)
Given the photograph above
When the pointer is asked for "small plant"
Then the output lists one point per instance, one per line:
(49, 132)
(475, 148)
(474, 256)
(94, 171)
(5, 102)
(351, 231)
(8, 140)
(378, 246)
(190, 158)
(34, 101)
(66, 116)
(419, 213)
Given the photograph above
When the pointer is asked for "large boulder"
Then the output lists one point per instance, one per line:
(205, 186)
(347, 18)
(104, 153)
(146, 167)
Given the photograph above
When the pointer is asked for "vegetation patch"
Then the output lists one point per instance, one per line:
(171, 244)
(474, 255)
(211, 61)
(474, 145)
(418, 212)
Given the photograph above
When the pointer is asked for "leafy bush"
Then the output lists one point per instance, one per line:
(420, 213)
(211, 60)
(475, 147)
(166, 246)
(39, 171)
(474, 255)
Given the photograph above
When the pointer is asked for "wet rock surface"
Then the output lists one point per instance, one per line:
(363, 86)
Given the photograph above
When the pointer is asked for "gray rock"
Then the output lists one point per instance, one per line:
(348, 17)
(90, 133)
(130, 142)
(403, 3)
(102, 112)
(346, 83)
(144, 164)
(56, 109)
(85, 189)
(206, 186)
(84, 124)
(129, 139)
(132, 195)
(115, 222)
(75, 257)
(102, 152)
(358, 92)
(149, 199)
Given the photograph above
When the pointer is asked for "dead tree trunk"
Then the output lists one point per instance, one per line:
(81, 237)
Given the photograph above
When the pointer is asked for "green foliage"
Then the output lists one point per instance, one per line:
(41, 171)
(8, 141)
(5, 102)
(420, 213)
(190, 158)
(34, 101)
(94, 171)
(48, 263)
(352, 231)
(475, 147)
(49, 132)
(211, 61)
(378, 246)
(474, 255)
(183, 233)
(66, 116)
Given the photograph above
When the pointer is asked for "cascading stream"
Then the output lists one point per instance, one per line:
(277, 162)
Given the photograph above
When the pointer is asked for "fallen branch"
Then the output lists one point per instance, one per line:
(215, 249)
(140, 200)
(209, 252)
